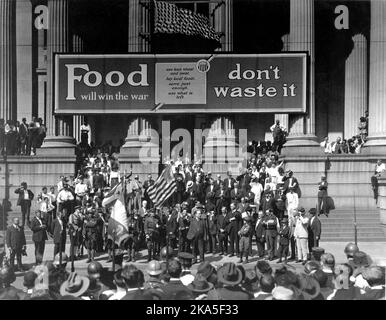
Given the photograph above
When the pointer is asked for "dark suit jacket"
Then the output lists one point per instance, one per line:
(260, 230)
(175, 290)
(171, 223)
(315, 229)
(196, 229)
(236, 195)
(57, 235)
(20, 192)
(198, 190)
(221, 223)
(214, 191)
(226, 182)
(295, 183)
(15, 238)
(233, 226)
(39, 233)
(284, 236)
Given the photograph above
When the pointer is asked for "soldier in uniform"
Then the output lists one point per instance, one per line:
(90, 236)
(133, 241)
(154, 284)
(151, 228)
(279, 205)
(244, 234)
(75, 226)
(271, 224)
(183, 223)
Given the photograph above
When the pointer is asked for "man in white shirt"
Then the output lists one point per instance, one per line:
(326, 145)
(292, 201)
(301, 235)
(85, 127)
(378, 170)
(81, 188)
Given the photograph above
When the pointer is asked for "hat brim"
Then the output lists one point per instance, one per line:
(155, 272)
(192, 288)
(82, 289)
(221, 278)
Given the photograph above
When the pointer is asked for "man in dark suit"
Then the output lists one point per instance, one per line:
(172, 225)
(211, 189)
(233, 218)
(175, 289)
(218, 182)
(23, 134)
(24, 201)
(59, 232)
(39, 236)
(314, 230)
(236, 193)
(229, 181)
(196, 235)
(198, 190)
(148, 183)
(222, 198)
(291, 182)
(16, 243)
(222, 231)
(260, 234)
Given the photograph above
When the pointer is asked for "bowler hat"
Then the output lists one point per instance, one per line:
(200, 284)
(312, 211)
(301, 210)
(229, 274)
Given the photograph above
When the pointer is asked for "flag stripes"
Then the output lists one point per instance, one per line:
(168, 18)
(163, 188)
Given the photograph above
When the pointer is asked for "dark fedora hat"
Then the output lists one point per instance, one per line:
(200, 284)
(229, 274)
(206, 269)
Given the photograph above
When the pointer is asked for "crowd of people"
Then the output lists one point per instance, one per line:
(172, 278)
(257, 208)
(21, 138)
(351, 145)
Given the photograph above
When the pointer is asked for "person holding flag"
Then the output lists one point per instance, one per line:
(117, 229)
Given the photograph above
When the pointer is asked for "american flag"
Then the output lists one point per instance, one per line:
(168, 18)
(163, 188)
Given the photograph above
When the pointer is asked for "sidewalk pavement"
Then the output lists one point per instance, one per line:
(376, 250)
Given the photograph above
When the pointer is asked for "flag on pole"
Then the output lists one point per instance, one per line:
(163, 188)
(170, 19)
(117, 229)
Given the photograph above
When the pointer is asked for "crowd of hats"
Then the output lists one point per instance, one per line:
(318, 280)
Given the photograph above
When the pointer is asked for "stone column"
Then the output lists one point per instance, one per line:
(77, 120)
(7, 59)
(355, 100)
(58, 130)
(376, 143)
(139, 134)
(283, 117)
(302, 38)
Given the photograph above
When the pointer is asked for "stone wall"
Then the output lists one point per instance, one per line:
(37, 171)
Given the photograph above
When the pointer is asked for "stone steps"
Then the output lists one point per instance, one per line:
(339, 226)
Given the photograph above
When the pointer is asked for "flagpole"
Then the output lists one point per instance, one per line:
(113, 251)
